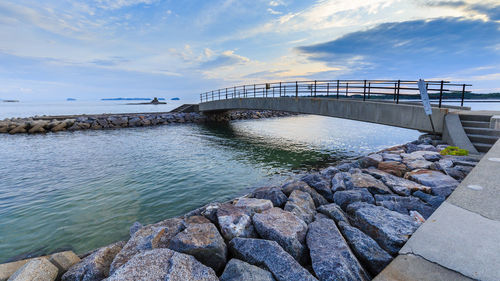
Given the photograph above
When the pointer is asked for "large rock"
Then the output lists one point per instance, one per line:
(418, 164)
(371, 160)
(163, 264)
(391, 157)
(271, 193)
(234, 222)
(330, 255)
(434, 201)
(152, 236)
(270, 255)
(302, 205)
(36, 269)
(94, 267)
(441, 184)
(390, 229)
(396, 168)
(283, 227)
(369, 253)
(339, 181)
(203, 242)
(346, 197)
(334, 212)
(320, 184)
(63, 261)
(404, 204)
(360, 180)
(289, 187)
(421, 155)
(237, 270)
(329, 172)
(399, 185)
(254, 205)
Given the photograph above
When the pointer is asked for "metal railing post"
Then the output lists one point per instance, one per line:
(280, 89)
(364, 91)
(397, 96)
(273, 92)
(219, 94)
(369, 89)
(254, 91)
(296, 89)
(244, 92)
(226, 93)
(327, 89)
(441, 93)
(284, 91)
(395, 90)
(347, 89)
(463, 95)
(338, 88)
(201, 97)
(315, 88)
(212, 95)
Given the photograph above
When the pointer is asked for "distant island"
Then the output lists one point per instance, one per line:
(131, 99)
(10, 100)
(175, 99)
(70, 99)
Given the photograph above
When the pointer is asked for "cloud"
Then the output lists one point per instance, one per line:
(273, 12)
(226, 58)
(276, 3)
(118, 4)
(489, 9)
(422, 47)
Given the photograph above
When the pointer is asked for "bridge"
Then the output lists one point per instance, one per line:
(388, 102)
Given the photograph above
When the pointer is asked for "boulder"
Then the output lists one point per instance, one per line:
(404, 205)
(63, 261)
(210, 211)
(163, 264)
(418, 164)
(38, 128)
(203, 242)
(329, 172)
(237, 270)
(439, 183)
(274, 194)
(61, 126)
(234, 222)
(391, 157)
(434, 201)
(254, 205)
(398, 185)
(283, 227)
(195, 220)
(134, 122)
(271, 256)
(320, 184)
(334, 212)
(371, 160)
(346, 197)
(368, 252)
(133, 229)
(152, 236)
(330, 255)
(339, 181)
(289, 187)
(360, 180)
(421, 155)
(302, 205)
(39, 269)
(390, 229)
(95, 266)
(20, 129)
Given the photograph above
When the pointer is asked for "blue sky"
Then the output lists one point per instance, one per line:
(51, 50)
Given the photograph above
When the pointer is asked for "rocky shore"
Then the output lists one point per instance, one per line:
(38, 125)
(345, 222)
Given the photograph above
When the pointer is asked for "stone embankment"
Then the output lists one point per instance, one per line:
(345, 222)
(37, 125)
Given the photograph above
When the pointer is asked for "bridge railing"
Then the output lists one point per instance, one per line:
(395, 90)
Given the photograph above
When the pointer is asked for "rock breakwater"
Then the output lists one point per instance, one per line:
(43, 124)
(345, 222)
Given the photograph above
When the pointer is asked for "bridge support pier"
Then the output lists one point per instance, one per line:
(218, 116)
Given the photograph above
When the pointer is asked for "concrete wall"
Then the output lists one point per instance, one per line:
(399, 115)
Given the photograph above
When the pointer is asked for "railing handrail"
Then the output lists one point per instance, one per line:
(395, 88)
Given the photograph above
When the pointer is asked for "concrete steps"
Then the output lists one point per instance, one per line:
(477, 129)
(186, 108)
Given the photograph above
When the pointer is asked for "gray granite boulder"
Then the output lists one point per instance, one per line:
(320, 184)
(330, 255)
(234, 222)
(361, 180)
(434, 201)
(399, 185)
(390, 229)
(163, 264)
(210, 211)
(346, 197)
(289, 187)
(254, 205)
(441, 184)
(134, 227)
(338, 181)
(272, 193)
(418, 164)
(329, 172)
(39, 269)
(302, 205)
(203, 242)
(393, 167)
(334, 212)
(237, 270)
(283, 227)
(94, 267)
(368, 252)
(371, 160)
(271, 256)
(152, 236)
(404, 204)
(391, 157)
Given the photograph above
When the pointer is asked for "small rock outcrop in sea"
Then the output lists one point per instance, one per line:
(43, 124)
(342, 223)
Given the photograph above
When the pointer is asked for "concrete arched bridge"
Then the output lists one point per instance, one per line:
(389, 102)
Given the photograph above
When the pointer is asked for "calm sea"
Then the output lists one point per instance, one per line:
(81, 190)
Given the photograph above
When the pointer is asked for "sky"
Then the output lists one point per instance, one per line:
(52, 50)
